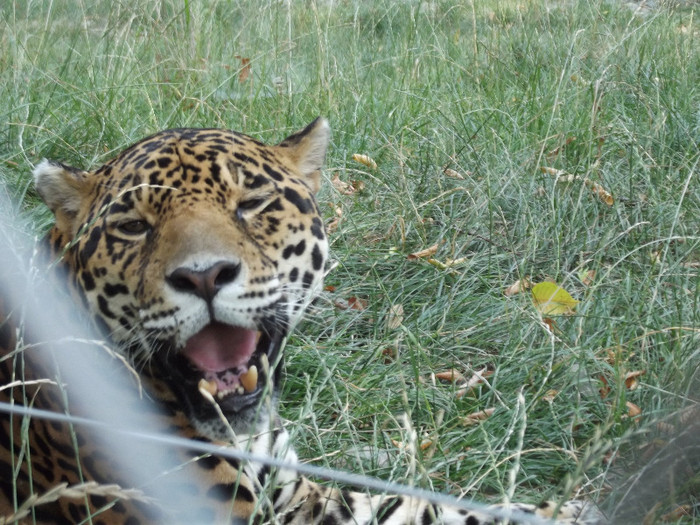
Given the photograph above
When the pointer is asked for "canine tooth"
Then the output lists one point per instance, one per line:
(249, 379)
(265, 363)
(208, 387)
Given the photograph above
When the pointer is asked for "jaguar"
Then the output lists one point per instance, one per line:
(193, 254)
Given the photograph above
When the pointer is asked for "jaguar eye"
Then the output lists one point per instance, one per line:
(250, 204)
(134, 227)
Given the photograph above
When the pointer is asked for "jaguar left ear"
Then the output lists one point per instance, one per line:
(307, 150)
(63, 189)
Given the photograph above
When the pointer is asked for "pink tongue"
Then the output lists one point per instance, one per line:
(218, 347)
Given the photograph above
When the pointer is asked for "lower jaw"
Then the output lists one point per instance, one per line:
(243, 412)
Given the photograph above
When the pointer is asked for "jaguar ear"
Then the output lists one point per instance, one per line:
(307, 150)
(63, 189)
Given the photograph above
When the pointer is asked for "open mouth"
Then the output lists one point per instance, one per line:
(228, 362)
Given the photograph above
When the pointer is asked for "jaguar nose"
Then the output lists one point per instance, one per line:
(204, 283)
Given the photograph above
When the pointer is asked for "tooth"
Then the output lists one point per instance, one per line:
(249, 379)
(208, 387)
(265, 363)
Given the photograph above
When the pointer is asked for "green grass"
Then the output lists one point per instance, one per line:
(495, 90)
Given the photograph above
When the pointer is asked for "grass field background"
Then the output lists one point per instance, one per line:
(529, 104)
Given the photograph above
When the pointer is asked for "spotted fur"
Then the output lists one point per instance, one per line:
(195, 252)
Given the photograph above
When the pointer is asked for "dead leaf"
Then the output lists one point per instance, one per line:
(600, 192)
(389, 354)
(633, 410)
(244, 73)
(453, 174)
(678, 513)
(329, 288)
(518, 286)
(476, 417)
(352, 303)
(365, 159)
(423, 254)
(586, 276)
(358, 185)
(342, 187)
(402, 446)
(395, 316)
(332, 226)
(550, 395)
(452, 375)
(551, 325)
(551, 299)
(476, 379)
(356, 303)
(604, 390)
(631, 379)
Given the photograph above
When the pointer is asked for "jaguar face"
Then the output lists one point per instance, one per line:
(196, 251)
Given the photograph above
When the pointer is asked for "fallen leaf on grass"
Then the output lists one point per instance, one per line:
(342, 187)
(551, 299)
(423, 254)
(633, 410)
(586, 276)
(476, 379)
(476, 417)
(604, 390)
(452, 375)
(631, 379)
(550, 395)
(518, 286)
(678, 513)
(453, 174)
(352, 303)
(244, 73)
(395, 316)
(403, 446)
(364, 159)
(599, 191)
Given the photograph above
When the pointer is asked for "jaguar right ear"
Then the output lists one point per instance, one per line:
(63, 189)
(307, 150)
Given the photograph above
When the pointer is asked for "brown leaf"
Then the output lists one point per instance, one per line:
(518, 286)
(389, 354)
(352, 303)
(357, 303)
(632, 409)
(423, 254)
(605, 388)
(244, 73)
(453, 174)
(678, 513)
(329, 288)
(342, 187)
(452, 375)
(476, 379)
(476, 417)
(631, 379)
(358, 185)
(332, 226)
(550, 395)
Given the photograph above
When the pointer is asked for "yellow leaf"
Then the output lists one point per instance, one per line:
(551, 299)
(366, 160)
